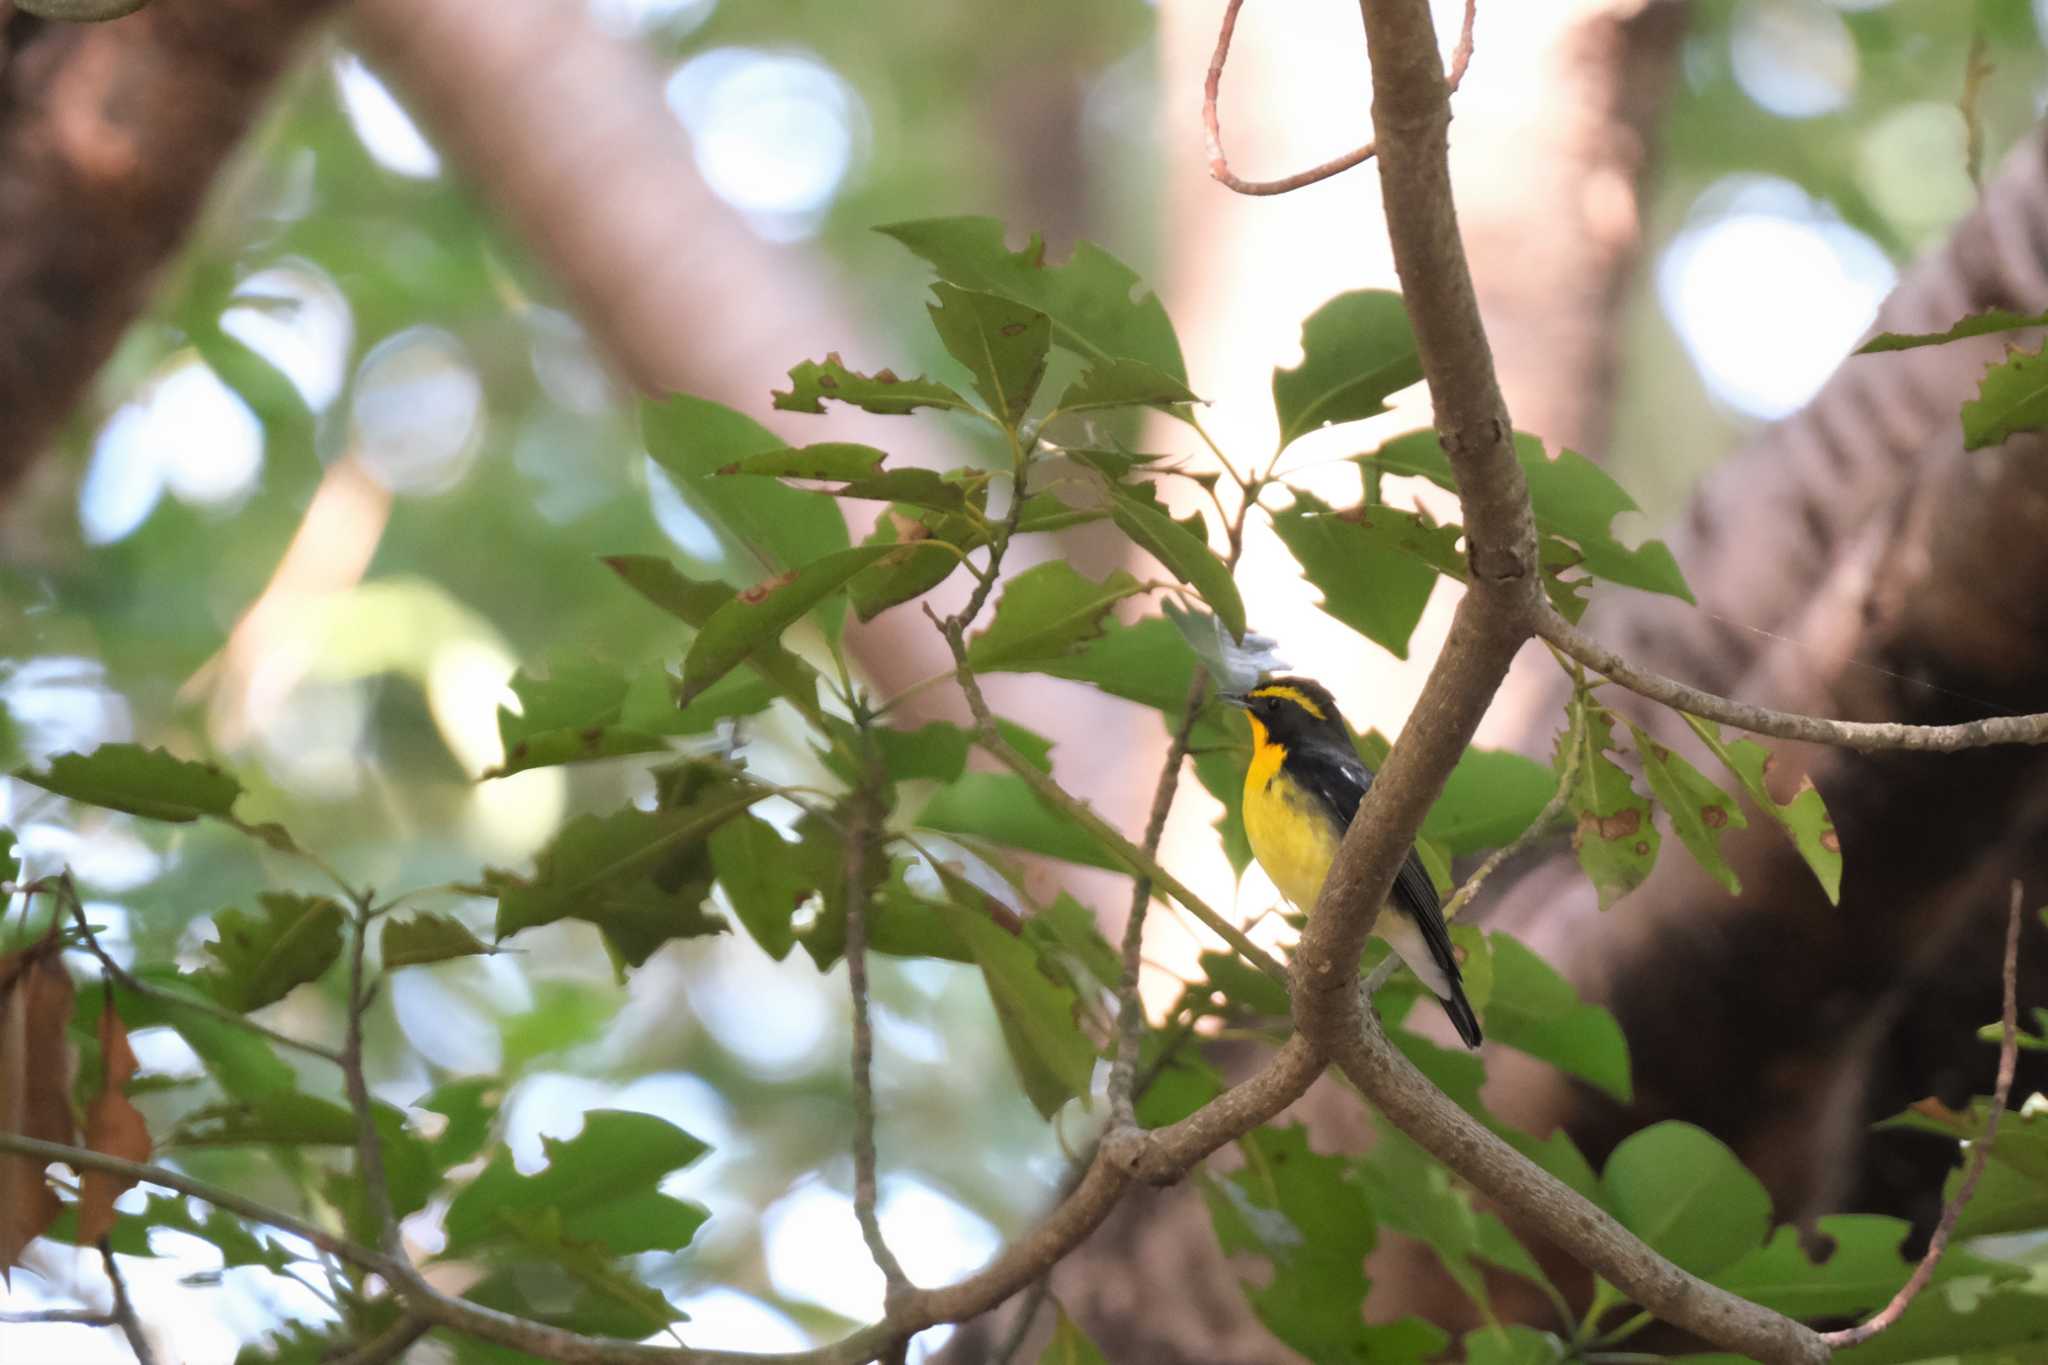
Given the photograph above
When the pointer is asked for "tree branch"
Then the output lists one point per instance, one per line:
(1868, 736)
(124, 1308)
(1980, 1153)
(862, 821)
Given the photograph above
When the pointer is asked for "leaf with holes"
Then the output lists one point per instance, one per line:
(1002, 343)
(1683, 1192)
(859, 472)
(757, 617)
(145, 782)
(1984, 323)
(694, 602)
(1123, 383)
(1701, 813)
(814, 381)
(259, 958)
(1185, 553)
(428, 938)
(1356, 350)
(1047, 612)
(1100, 309)
(1614, 836)
(1805, 817)
(1374, 566)
(762, 878)
(2011, 397)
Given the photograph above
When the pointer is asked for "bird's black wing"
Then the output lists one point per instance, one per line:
(1341, 779)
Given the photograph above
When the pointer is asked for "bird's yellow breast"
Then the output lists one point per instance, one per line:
(1291, 834)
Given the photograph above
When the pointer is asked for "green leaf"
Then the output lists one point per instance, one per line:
(1805, 817)
(2011, 397)
(936, 752)
(1067, 927)
(243, 1063)
(695, 602)
(1615, 838)
(1047, 612)
(1536, 1010)
(858, 471)
(1966, 1315)
(882, 392)
(1002, 343)
(539, 1236)
(145, 782)
(1701, 813)
(640, 876)
(694, 438)
(1975, 325)
(1682, 1191)
(258, 959)
(10, 856)
(1366, 564)
(428, 938)
(923, 550)
(288, 1118)
(584, 710)
(1310, 1217)
(1148, 663)
(1862, 1271)
(1185, 554)
(757, 617)
(1512, 1345)
(762, 879)
(1123, 383)
(1491, 797)
(999, 806)
(1037, 1013)
(1356, 350)
(470, 1105)
(1572, 497)
(604, 1182)
(236, 1241)
(1100, 309)
(1069, 1344)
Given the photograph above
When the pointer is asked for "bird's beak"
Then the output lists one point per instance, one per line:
(1237, 699)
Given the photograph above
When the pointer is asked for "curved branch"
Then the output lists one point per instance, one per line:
(1868, 736)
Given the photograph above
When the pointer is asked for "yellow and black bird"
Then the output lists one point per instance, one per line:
(1300, 792)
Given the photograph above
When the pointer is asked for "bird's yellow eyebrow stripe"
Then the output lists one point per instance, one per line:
(1295, 695)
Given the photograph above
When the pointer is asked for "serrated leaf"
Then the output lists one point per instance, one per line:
(258, 959)
(583, 710)
(1861, 1271)
(695, 602)
(1805, 817)
(1682, 1191)
(2011, 397)
(936, 752)
(1308, 1215)
(539, 1235)
(1002, 343)
(814, 381)
(1356, 350)
(859, 472)
(1571, 497)
(145, 782)
(762, 879)
(1614, 835)
(428, 938)
(640, 876)
(1047, 612)
(288, 1118)
(1037, 1013)
(1122, 383)
(694, 438)
(1535, 1010)
(1979, 324)
(604, 1181)
(999, 806)
(1148, 663)
(1701, 813)
(924, 549)
(756, 618)
(1069, 1344)
(1513, 1345)
(1373, 566)
(1100, 309)
(1185, 554)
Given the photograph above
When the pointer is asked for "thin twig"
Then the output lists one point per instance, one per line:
(369, 1146)
(119, 975)
(124, 1307)
(1537, 828)
(1980, 1153)
(389, 1344)
(1020, 1330)
(1219, 164)
(1867, 736)
(859, 845)
(79, 1317)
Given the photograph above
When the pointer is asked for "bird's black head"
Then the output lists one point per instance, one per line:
(1295, 711)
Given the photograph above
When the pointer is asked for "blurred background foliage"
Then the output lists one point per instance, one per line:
(347, 296)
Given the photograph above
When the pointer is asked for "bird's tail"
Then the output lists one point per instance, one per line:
(1462, 1017)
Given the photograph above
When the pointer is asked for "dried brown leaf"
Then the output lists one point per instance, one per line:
(113, 1126)
(35, 1085)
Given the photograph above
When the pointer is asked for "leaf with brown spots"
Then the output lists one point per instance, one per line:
(1701, 813)
(35, 1087)
(1615, 838)
(113, 1126)
(1002, 343)
(814, 381)
(1805, 817)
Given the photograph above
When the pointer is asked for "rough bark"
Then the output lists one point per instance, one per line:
(110, 135)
